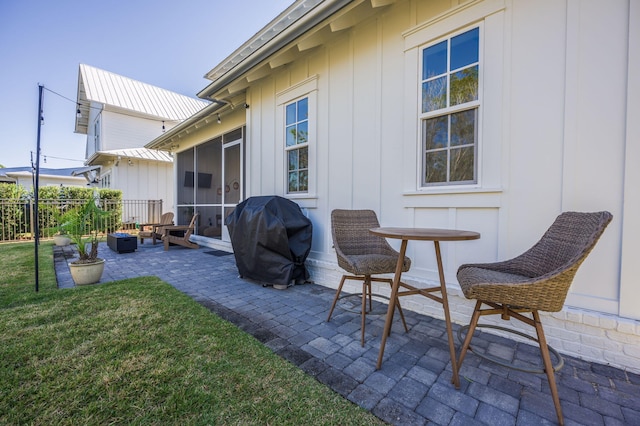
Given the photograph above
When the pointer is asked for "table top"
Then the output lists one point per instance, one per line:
(425, 234)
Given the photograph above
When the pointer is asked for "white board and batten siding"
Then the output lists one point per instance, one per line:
(557, 132)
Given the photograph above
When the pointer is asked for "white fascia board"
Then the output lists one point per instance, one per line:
(256, 50)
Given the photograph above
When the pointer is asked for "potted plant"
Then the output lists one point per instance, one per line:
(84, 224)
(55, 217)
(61, 239)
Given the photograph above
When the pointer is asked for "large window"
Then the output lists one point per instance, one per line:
(450, 103)
(296, 118)
(297, 145)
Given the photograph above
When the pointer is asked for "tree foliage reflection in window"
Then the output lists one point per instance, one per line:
(450, 102)
(296, 145)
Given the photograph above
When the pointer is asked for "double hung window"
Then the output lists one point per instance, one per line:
(297, 145)
(450, 104)
(296, 118)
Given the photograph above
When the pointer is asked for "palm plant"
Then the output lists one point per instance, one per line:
(84, 224)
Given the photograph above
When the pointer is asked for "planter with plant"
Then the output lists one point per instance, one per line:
(84, 224)
(61, 239)
(60, 236)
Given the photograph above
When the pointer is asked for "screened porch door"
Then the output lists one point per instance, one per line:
(210, 182)
(232, 176)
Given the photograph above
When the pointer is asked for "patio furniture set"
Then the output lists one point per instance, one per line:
(164, 231)
(537, 280)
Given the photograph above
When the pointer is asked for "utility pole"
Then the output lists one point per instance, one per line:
(37, 185)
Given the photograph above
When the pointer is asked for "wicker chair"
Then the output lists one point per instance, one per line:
(537, 280)
(362, 254)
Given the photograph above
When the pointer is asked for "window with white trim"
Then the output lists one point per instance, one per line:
(450, 102)
(297, 145)
(105, 180)
(96, 135)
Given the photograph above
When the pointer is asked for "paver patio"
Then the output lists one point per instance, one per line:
(413, 387)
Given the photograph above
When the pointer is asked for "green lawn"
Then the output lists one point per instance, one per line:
(140, 352)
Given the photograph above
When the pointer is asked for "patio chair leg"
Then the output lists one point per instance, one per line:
(467, 340)
(548, 366)
(366, 293)
(337, 296)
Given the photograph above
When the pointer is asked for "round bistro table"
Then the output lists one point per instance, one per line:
(422, 234)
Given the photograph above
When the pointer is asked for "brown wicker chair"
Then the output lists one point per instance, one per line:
(362, 254)
(537, 280)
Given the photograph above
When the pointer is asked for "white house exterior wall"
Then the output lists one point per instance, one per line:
(630, 267)
(144, 180)
(554, 133)
(27, 181)
(94, 114)
(126, 131)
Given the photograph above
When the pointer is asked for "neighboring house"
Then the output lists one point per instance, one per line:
(119, 116)
(486, 115)
(23, 176)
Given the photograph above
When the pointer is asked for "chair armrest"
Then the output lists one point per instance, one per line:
(141, 226)
(159, 226)
(167, 228)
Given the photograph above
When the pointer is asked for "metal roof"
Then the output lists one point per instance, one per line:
(24, 171)
(135, 153)
(107, 88)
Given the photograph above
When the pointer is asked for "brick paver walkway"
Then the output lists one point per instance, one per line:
(413, 387)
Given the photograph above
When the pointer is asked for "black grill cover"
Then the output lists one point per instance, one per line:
(271, 240)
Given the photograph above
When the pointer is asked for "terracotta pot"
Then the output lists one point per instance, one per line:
(87, 273)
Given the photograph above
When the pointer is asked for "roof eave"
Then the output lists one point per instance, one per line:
(276, 39)
(167, 139)
(82, 119)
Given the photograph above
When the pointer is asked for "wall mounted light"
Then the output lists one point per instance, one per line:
(78, 113)
(219, 120)
(163, 126)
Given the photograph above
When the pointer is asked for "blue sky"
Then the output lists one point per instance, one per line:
(170, 44)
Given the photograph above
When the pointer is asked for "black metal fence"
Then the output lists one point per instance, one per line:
(17, 221)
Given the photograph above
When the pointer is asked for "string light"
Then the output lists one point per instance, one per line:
(80, 104)
(45, 156)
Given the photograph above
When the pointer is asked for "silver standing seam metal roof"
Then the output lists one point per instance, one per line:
(106, 88)
(135, 153)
